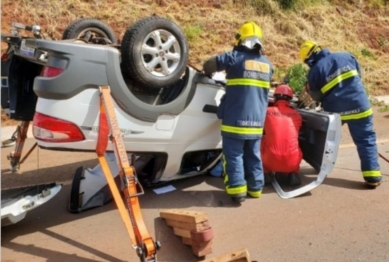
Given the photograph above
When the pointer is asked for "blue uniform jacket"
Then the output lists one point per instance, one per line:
(335, 80)
(243, 107)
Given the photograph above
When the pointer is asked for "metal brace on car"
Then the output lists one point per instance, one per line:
(131, 214)
(20, 136)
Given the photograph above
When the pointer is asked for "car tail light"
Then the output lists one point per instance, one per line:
(49, 71)
(51, 129)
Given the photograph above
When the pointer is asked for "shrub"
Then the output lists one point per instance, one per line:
(292, 4)
(287, 4)
(193, 32)
(297, 75)
(367, 53)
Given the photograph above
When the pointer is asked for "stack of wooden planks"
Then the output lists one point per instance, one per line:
(193, 227)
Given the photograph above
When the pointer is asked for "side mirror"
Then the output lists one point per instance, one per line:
(286, 80)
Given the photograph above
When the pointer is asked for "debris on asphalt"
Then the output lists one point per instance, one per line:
(165, 189)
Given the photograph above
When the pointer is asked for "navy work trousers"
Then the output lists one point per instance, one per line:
(242, 165)
(364, 138)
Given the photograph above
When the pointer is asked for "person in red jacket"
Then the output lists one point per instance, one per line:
(280, 149)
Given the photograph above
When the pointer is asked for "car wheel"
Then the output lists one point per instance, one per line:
(154, 52)
(90, 30)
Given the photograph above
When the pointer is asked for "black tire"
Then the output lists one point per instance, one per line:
(134, 61)
(77, 28)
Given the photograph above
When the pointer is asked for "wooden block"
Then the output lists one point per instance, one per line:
(202, 249)
(188, 226)
(187, 216)
(241, 255)
(201, 244)
(182, 232)
(202, 236)
(191, 242)
(186, 241)
(193, 227)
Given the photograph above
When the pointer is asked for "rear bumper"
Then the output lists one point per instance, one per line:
(15, 203)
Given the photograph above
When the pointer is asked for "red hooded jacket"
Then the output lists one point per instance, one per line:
(280, 149)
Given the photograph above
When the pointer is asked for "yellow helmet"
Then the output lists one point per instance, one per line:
(308, 48)
(249, 34)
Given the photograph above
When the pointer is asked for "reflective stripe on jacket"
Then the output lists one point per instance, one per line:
(335, 80)
(243, 107)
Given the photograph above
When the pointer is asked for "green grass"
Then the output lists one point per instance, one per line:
(384, 108)
(193, 33)
(367, 53)
(340, 25)
(382, 40)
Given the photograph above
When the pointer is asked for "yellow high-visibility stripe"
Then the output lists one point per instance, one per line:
(224, 163)
(338, 79)
(357, 115)
(225, 170)
(255, 194)
(248, 82)
(242, 130)
(236, 190)
(371, 173)
(225, 179)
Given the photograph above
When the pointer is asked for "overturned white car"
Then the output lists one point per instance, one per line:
(165, 108)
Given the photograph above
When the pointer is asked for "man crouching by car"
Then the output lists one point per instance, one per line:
(280, 149)
(242, 110)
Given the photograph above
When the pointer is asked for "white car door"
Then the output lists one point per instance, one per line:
(319, 140)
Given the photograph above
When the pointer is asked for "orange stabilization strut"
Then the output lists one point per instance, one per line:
(131, 214)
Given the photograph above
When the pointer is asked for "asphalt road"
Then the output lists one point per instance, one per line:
(339, 221)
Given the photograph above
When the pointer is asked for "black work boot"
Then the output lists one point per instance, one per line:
(238, 198)
(282, 178)
(294, 179)
(373, 182)
(268, 178)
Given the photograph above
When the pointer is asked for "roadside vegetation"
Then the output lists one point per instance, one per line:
(358, 26)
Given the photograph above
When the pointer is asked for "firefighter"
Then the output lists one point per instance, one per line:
(280, 149)
(334, 79)
(242, 110)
